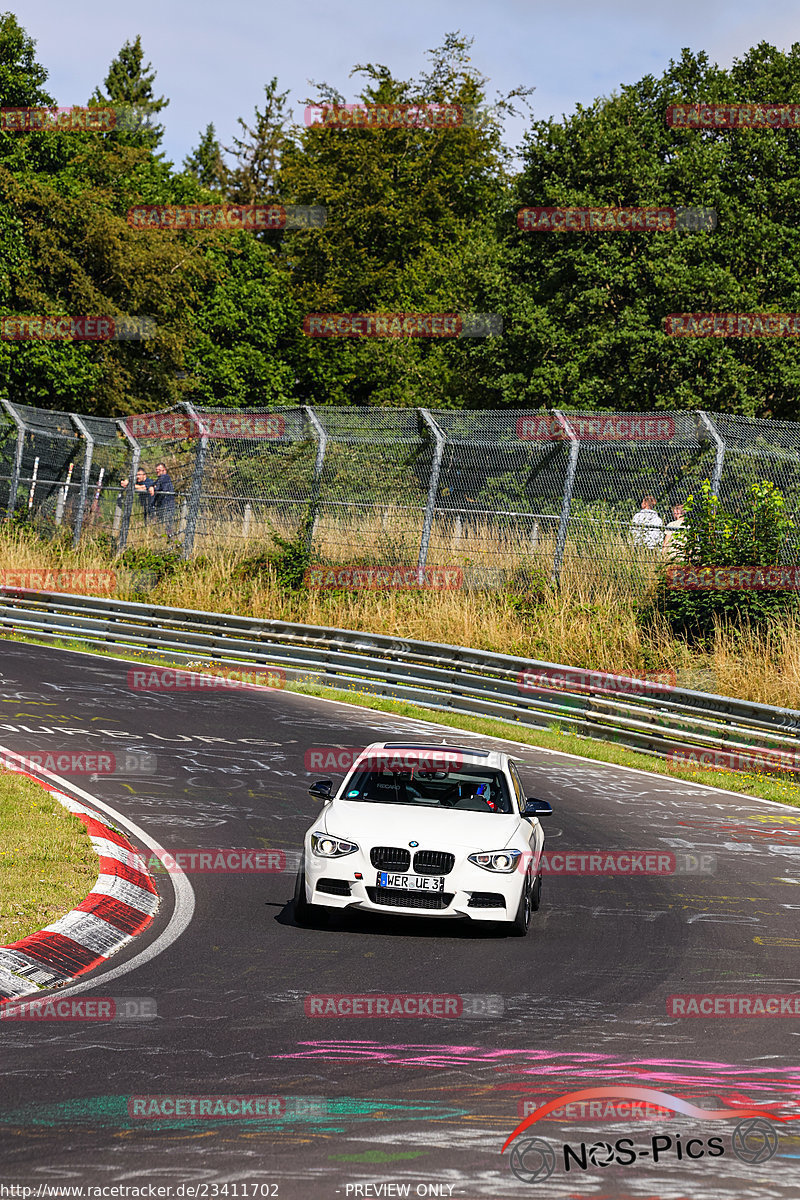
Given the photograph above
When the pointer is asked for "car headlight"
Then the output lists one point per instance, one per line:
(325, 846)
(497, 860)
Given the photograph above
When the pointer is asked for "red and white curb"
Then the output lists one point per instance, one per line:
(121, 905)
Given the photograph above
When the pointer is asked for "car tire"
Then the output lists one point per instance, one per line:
(536, 893)
(522, 921)
(304, 913)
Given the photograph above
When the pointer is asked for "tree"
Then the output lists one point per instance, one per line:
(244, 329)
(22, 78)
(206, 163)
(129, 85)
(410, 227)
(260, 150)
(587, 309)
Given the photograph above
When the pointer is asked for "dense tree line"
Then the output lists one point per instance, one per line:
(418, 220)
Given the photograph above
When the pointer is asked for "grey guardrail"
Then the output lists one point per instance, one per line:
(442, 677)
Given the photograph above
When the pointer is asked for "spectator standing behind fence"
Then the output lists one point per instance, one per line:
(163, 494)
(647, 526)
(144, 487)
(673, 547)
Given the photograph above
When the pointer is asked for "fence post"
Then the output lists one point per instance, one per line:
(433, 490)
(196, 490)
(127, 505)
(719, 449)
(87, 467)
(321, 438)
(569, 483)
(18, 452)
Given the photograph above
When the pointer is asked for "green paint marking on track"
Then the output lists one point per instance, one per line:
(378, 1156)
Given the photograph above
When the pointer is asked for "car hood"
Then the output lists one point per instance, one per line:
(433, 828)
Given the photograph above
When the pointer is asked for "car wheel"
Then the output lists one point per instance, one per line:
(521, 923)
(304, 913)
(536, 894)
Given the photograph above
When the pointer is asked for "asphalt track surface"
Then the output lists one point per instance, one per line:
(424, 1102)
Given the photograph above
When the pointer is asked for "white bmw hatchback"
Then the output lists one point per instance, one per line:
(425, 830)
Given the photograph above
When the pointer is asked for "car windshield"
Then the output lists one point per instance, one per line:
(476, 789)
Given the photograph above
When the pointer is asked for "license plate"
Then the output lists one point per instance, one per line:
(411, 883)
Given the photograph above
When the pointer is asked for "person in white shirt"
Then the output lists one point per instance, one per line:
(647, 527)
(674, 548)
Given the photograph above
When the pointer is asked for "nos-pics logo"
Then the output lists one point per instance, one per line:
(754, 1139)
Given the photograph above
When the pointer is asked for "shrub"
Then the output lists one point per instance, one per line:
(149, 567)
(287, 561)
(713, 537)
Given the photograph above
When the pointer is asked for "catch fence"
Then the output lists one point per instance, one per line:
(494, 492)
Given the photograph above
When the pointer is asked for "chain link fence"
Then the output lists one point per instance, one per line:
(498, 493)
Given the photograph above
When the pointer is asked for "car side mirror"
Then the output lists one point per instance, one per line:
(537, 808)
(321, 788)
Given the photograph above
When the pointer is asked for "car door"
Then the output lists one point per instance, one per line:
(530, 826)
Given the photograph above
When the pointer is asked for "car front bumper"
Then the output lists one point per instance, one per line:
(466, 889)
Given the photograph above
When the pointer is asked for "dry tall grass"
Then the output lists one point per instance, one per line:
(591, 621)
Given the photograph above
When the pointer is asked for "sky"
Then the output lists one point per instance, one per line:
(213, 59)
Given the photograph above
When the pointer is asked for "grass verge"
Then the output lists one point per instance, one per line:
(592, 622)
(764, 786)
(47, 863)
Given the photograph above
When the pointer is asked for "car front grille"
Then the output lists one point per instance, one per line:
(334, 887)
(390, 858)
(434, 862)
(428, 900)
(486, 900)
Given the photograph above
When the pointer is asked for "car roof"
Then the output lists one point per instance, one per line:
(489, 758)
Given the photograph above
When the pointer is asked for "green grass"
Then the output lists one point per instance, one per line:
(764, 786)
(47, 863)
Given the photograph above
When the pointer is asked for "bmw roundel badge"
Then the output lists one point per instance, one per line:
(413, 844)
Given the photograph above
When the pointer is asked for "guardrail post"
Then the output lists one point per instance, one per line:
(569, 483)
(18, 452)
(321, 438)
(87, 467)
(719, 449)
(433, 490)
(127, 505)
(196, 489)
